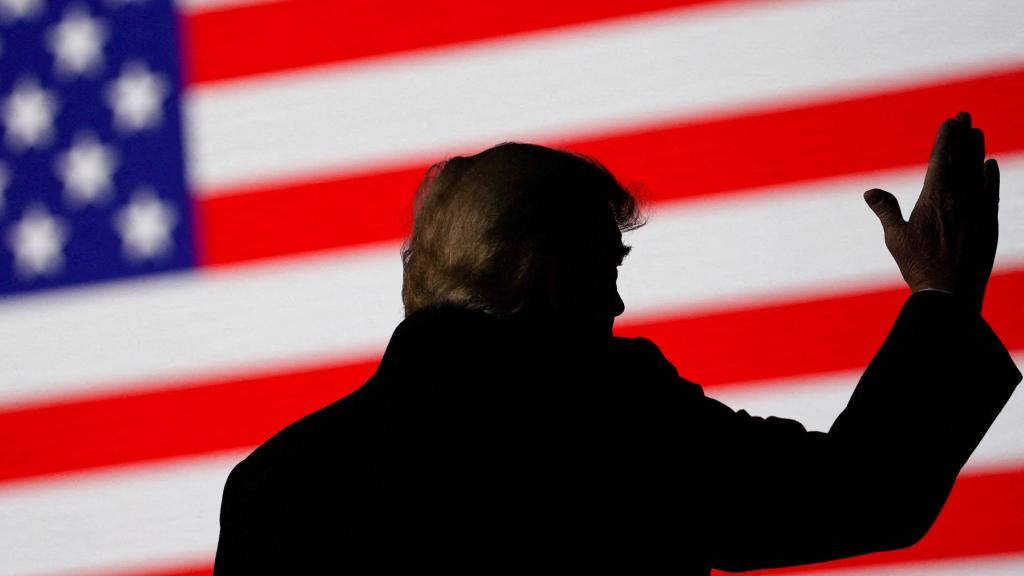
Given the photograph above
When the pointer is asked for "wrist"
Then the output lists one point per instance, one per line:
(974, 302)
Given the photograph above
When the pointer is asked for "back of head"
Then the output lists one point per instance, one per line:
(502, 231)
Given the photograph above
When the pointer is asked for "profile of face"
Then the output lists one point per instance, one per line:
(588, 288)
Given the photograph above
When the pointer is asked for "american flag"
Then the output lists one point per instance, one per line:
(202, 205)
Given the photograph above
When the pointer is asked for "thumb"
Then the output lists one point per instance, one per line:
(885, 206)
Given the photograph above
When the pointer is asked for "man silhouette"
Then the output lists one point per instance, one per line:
(506, 430)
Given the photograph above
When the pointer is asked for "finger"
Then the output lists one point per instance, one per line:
(960, 139)
(992, 182)
(941, 146)
(974, 161)
(976, 138)
(941, 159)
(886, 207)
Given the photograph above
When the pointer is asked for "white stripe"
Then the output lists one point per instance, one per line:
(196, 6)
(809, 239)
(147, 514)
(779, 243)
(284, 313)
(816, 401)
(999, 565)
(581, 80)
(128, 518)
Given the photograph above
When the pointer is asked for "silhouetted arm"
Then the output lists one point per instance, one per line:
(779, 495)
(877, 480)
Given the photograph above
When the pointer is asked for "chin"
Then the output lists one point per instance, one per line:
(591, 328)
(598, 327)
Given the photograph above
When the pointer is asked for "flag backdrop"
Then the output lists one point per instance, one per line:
(202, 205)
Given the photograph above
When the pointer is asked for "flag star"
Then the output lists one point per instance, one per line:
(37, 241)
(13, 10)
(137, 97)
(77, 42)
(145, 226)
(28, 115)
(87, 169)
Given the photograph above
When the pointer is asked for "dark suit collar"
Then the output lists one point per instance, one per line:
(446, 332)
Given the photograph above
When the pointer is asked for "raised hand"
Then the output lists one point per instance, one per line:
(949, 242)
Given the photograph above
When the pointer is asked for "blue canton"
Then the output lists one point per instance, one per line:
(92, 182)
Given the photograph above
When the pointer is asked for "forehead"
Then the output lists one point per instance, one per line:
(604, 239)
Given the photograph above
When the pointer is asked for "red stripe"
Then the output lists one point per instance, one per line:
(683, 160)
(194, 570)
(984, 515)
(202, 416)
(836, 138)
(712, 349)
(236, 41)
(264, 223)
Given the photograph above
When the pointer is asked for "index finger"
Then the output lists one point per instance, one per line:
(941, 161)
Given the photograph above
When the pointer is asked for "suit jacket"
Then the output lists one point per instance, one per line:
(483, 446)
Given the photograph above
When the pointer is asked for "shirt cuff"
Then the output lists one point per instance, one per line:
(935, 290)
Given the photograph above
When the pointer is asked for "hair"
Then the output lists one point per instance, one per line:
(490, 230)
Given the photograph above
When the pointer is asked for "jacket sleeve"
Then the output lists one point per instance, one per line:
(778, 495)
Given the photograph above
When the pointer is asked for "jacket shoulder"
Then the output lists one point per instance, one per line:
(315, 449)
